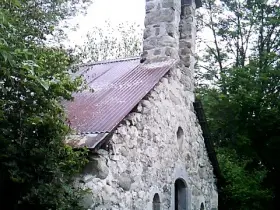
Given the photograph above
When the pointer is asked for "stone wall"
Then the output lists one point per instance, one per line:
(149, 153)
(187, 37)
(170, 33)
(161, 140)
(161, 34)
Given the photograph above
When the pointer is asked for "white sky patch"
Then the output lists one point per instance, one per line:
(100, 11)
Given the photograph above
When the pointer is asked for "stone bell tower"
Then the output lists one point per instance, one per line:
(170, 33)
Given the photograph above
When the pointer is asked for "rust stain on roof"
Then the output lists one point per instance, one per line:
(118, 88)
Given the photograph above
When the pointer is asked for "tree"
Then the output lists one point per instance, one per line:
(36, 167)
(109, 42)
(242, 63)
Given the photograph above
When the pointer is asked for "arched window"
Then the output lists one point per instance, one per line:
(156, 202)
(202, 206)
(180, 136)
(180, 195)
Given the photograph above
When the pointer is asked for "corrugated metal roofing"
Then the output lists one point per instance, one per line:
(118, 88)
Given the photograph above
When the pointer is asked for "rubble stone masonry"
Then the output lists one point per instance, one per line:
(158, 148)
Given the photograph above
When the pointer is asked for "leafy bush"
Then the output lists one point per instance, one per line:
(36, 167)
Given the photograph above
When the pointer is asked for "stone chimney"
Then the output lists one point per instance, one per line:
(170, 30)
(170, 33)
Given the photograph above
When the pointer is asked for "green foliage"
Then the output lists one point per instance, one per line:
(244, 129)
(242, 101)
(244, 187)
(36, 167)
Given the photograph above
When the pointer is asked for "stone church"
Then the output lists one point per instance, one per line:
(148, 147)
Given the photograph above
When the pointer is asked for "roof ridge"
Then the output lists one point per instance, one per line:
(110, 61)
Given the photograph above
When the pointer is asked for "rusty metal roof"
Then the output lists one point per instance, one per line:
(118, 88)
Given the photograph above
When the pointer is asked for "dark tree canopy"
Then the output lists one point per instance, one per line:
(242, 98)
